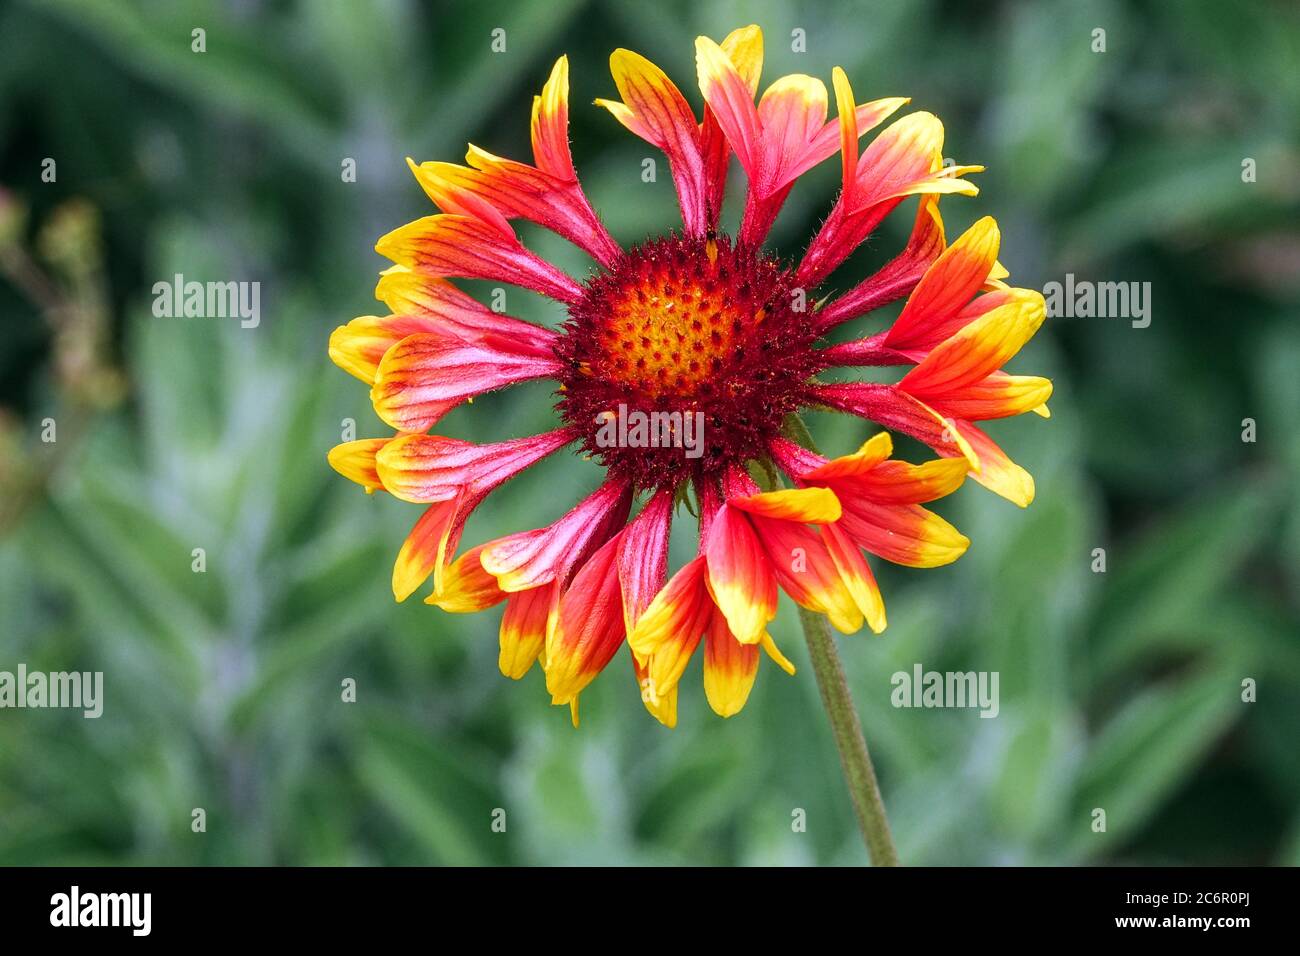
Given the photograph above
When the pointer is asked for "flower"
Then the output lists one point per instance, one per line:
(693, 327)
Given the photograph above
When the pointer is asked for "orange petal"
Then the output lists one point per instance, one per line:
(997, 472)
(1000, 396)
(465, 587)
(976, 351)
(856, 575)
(425, 547)
(863, 461)
(806, 571)
(550, 127)
(947, 286)
(809, 505)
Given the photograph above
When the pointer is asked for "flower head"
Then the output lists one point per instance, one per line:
(678, 368)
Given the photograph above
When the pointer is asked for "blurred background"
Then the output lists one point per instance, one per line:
(1120, 690)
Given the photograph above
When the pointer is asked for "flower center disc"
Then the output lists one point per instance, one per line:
(684, 328)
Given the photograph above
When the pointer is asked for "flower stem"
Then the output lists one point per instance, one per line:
(846, 728)
(859, 774)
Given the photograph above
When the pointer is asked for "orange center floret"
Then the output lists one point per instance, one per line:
(669, 337)
(696, 328)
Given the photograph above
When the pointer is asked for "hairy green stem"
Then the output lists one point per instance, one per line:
(859, 773)
(846, 728)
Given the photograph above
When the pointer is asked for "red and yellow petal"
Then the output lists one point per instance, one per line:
(903, 533)
(426, 547)
(423, 377)
(654, 109)
(791, 114)
(424, 468)
(643, 557)
(450, 246)
(899, 276)
(856, 575)
(458, 197)
(1000, 396)
(448, 309)
(901, 482)
(662, 706)
(516, 189)
(852, 122)
(894, 408)
(355, 460)
(739, 577)
(731, 99)
(681, 607)
(589, 629)
(671, 629)
(358, 347)
(904, 160)
(529, 617)
(744, 47)
(729, 668)
(533, 558)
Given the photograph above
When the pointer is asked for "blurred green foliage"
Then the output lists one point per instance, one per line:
(1119, 690)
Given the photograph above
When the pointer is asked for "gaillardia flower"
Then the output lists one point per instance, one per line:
(699, 327)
